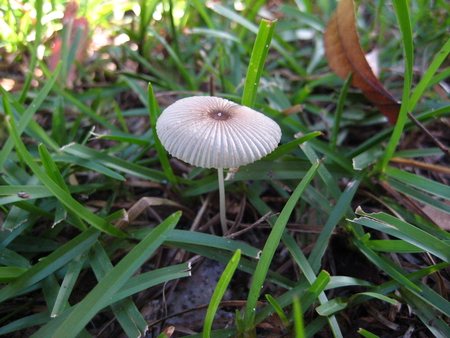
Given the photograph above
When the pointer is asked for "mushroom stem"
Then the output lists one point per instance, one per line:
(223, 217)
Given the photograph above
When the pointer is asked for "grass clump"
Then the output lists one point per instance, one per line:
(342, 229)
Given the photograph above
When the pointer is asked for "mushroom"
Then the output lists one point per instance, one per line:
(211, 132)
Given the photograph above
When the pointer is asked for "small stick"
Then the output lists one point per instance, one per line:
(426, 131)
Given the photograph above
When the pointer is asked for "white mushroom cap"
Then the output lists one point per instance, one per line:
(212, 132)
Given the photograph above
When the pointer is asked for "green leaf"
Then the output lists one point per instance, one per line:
(162, 154)
(271, 245)
(64, 197)
(114, 162)
(27, 116)
(10, 273)
(403, 230)
(279, 310)
(333, 306)
(50, 264)
(70, 325)
(219, 291)
(257, 60)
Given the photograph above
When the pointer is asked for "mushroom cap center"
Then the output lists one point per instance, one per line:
(219, 114)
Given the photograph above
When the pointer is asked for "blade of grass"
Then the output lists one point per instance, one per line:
(11, 258)
(385, 266)
(310, 276)
(53, 173)
(440, 57)
(149, 279)
(38, 6)
(286, 148)
(50, 264)
(75, 321)
(270, 247)
(335, 217)
(68, 283)
(219, 291)
(418, 195)
(64, 197)
(419, 182)
(366, 333)
(162, 154)
(235, 17)
(299, 325)
(403, 17)
(278, 309)
(436, 325)
(339, 111)
(27, 116)
(90, 165)
(114, 162)
(126, 312)
(403, 230)
(257, 60)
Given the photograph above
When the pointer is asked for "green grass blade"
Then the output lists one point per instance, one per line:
(419, 182)
(88, 164)
(53, 173)
(162, 154)
(385, 266)
(367, 334)
(299, 325)
(440, 57)
(177, 237)
(38, 6)
(10, 273)
(11, 258)
(339, 111)
(278, 309)
(271, 245)
(286, 148)
(403, 230)
(419, 196)
(404, 20)
(132, 322)
(114, 162)
(27, 116)
(339, 211)
(219, 291)
(50, 264)
(64, 197)
(25, 322)
(149, 279)
(68, 283)
(426, 313)
(257, 60)
(70, 325)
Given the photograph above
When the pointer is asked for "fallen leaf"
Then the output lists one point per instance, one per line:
(440, 218)
(345, 55)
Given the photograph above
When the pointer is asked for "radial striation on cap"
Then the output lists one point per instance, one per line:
(212, 132)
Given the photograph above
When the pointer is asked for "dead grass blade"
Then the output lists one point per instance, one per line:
(140, 206)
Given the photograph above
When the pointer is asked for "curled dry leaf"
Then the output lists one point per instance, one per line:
(345, 55)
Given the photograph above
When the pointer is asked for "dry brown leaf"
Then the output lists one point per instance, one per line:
(440, 218)
(345, 55)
